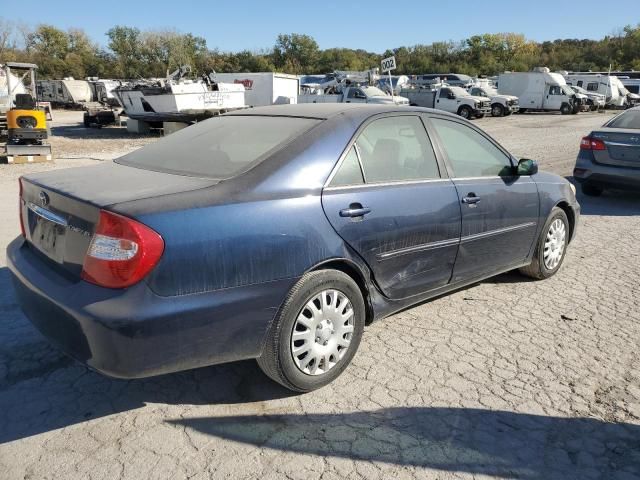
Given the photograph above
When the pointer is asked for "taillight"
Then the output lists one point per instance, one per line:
(20, 205)
(588, 143)
(122, 252)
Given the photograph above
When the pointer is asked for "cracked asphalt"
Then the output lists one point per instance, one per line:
(509, 378)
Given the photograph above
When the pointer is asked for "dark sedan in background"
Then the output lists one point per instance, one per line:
(276, 233)
(610, 156)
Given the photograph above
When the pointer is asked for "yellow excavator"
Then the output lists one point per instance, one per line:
(27, 130)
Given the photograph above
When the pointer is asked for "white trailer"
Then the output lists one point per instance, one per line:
(65, 93)
(264, 88)
(598, 83)
(539, 90)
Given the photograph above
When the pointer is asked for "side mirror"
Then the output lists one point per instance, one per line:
(527, 167)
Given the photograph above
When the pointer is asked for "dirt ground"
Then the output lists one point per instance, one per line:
(509, 378)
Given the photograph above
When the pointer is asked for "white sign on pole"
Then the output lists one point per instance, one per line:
(388, 64)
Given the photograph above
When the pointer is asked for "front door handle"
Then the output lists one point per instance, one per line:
(471, 199)
(355, 210)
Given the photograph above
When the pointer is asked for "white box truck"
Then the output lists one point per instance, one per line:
(264, 88)
(539, 90)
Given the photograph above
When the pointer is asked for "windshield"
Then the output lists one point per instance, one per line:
(579, 90)
(459, 91)
(221, 147)
(628, 119)
(567, 90)
(373, 92)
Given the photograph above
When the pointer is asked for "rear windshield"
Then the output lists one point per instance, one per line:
(629, 119)
(221, 147)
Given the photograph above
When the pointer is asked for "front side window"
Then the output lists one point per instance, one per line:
(355, 93)
(470, 154)
(555, 90)
(444, 92)
(592, 87)
(396, 149)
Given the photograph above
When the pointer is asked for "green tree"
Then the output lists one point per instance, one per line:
(296, 53)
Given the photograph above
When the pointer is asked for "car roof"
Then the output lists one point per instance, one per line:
(325, 111)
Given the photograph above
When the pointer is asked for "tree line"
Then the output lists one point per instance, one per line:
(131, 53)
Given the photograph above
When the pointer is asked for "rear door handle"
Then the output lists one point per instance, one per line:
(355, 210)
(471, 199)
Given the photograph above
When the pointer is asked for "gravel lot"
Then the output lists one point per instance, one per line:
(509, 378)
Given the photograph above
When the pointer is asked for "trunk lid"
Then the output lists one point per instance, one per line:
(60, 209)
(622, 147)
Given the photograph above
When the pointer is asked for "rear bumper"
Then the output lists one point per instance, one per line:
(134, 333)
(587, 171)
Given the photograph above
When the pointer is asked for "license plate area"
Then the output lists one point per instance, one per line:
(47, 232)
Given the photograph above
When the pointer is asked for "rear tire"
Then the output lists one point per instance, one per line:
(283, 358)
(591, 190)
(550, 248)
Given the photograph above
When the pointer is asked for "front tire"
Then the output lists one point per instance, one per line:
(551, 247)
(497, 110)
(465, 112)
(565, 109)
(316, 333)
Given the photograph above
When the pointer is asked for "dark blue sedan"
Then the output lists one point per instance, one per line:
(276, 233)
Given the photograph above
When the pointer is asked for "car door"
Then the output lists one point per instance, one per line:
(443, 102)
(553, 99)
(388, 201)
(499, 210)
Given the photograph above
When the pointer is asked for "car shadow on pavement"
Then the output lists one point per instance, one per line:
(41, 389)
(500, 443)
(613, 203)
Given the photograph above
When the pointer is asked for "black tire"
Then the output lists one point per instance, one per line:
(480, 115)
(277, 360)
(522, 110)
(497, 110)
(537, 268)
(465, 112)
(591, 190)
(87, 121)
(565, 109)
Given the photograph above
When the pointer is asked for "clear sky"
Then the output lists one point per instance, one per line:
(233, 25)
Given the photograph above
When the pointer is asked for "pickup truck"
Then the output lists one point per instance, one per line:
(354, 95)
(450, 99)
(501, 105)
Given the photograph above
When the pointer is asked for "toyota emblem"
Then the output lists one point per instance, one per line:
(44, 199)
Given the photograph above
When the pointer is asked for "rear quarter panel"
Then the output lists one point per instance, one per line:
(226, 246)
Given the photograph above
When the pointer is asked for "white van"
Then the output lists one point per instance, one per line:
(539, 90)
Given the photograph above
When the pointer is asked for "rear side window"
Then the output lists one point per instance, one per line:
(396, 149)
(470, 154)
(221, 147)
(592, 87)
(349, 172)
(628, 119)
